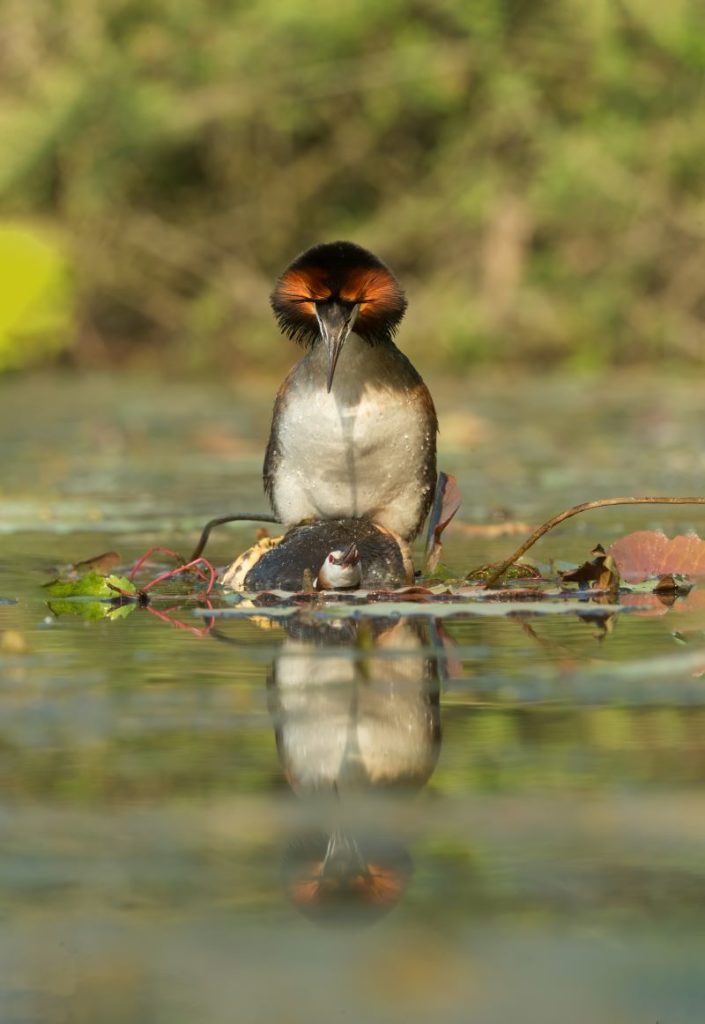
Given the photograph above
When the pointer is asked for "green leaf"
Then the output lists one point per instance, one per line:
(517, 571)
(92, 609)
(675, 583)
(92, 585)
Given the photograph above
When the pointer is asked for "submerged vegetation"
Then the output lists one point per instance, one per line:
(533, 171)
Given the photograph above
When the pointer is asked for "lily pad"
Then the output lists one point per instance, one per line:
(93, 596)
(92, 585)
(93, 610)
(648, 553)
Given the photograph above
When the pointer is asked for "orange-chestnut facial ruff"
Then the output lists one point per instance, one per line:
(335, 288)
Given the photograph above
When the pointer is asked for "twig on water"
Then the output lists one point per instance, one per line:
(574, 511)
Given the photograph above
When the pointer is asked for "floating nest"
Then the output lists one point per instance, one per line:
(288, 561)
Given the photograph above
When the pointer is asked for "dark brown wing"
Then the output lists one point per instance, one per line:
(412, 379)
(272, 456)
(423, 396)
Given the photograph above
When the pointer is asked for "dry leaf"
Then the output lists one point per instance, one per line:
(445, 504)
(101, 564)
(648, 553)
(600, 573)
(672, 583)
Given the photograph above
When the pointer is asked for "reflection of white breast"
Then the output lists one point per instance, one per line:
(340, 727)
(359, 451)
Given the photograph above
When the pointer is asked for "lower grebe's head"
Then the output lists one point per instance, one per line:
(341, 570)
(330, 290)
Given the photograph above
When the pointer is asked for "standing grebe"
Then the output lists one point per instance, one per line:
(354, 426)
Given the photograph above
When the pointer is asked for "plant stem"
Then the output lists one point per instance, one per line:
(574, 511)
(253, 517)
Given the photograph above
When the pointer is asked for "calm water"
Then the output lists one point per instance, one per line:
(489, 818)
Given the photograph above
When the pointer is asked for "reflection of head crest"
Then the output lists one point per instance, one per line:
(339, 879)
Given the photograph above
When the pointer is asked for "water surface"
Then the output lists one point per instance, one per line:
(491, 818)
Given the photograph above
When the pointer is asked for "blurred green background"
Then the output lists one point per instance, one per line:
(532, 169)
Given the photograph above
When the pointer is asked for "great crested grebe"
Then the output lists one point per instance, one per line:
(354, 426)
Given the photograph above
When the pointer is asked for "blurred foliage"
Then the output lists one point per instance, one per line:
(35, 311)
(532, 169)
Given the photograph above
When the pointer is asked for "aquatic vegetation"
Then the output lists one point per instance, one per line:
(92, 595)
(648, 553)
(525, 590)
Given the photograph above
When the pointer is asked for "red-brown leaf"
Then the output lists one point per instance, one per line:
(649, 553)
(446, 503)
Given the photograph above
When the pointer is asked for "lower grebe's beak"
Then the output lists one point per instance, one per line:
(335, 322)
(350, 556)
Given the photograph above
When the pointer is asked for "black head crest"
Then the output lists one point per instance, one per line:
(338, 272)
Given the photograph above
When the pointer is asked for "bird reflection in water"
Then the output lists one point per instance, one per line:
(355, 706)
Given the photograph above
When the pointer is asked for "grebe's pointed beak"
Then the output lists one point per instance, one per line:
(335, 322)
(350, 556)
